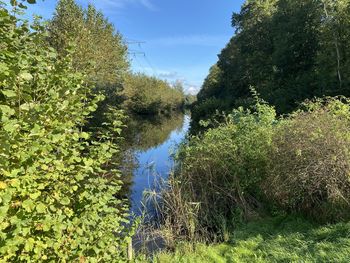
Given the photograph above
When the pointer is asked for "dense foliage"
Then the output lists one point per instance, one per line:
(288, 50)
(57, 203)
(97, 49)
(255, 163)
(219, 174)
(146, 95)
(310, 171)
(285, 159)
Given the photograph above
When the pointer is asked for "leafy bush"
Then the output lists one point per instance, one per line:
(310, 163)
(203, 110)
(253, 160)
(56, 203)
(219, 174)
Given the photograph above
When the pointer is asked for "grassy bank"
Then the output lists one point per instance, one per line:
(280, 239)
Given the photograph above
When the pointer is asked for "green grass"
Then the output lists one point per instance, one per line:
(288, 239)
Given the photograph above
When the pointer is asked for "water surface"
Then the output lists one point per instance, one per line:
(150, 146)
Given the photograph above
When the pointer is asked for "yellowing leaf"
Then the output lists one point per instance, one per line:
(3, 185)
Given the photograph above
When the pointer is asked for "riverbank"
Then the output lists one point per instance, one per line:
(279, 239)
(272, 189)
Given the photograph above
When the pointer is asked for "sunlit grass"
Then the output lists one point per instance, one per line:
(290, 239)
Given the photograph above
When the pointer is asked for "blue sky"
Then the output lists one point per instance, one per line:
(182, 38)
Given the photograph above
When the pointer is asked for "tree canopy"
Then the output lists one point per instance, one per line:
(98, 49)
(287, 50)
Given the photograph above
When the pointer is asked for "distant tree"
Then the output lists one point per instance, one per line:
(178, 85)
(148, 95)
(334, 34)
(97, 49)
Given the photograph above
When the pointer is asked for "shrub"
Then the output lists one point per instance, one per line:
(56, 204)
(310, 161)
(203, 110)
(219, 174)
(251, 161)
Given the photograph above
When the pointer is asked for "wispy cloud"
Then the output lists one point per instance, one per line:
(191, 40)
(148, 4)
(164, 74)
(118, 4)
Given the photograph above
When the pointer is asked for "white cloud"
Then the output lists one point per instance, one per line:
(167, 74)
(191, 40)
(190, 87)
(193, 90)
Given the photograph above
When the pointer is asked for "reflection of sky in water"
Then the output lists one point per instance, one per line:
(154, 163)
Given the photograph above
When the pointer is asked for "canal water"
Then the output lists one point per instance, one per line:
(151, 144)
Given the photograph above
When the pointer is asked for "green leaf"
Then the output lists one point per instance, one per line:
(22, 6)
(4, 69)
(35, 195)
(65, 201)
(26, 76)
(7, 110)
(9, 127)
(3, 210)
(41, 208)
(9, 93)
(29, 245)
(28, 205)
(84, 135)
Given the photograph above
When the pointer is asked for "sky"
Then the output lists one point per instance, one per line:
(170, 39)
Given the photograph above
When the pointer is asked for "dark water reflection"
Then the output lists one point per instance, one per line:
(149, 144)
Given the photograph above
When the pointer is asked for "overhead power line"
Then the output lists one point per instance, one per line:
(141, 53)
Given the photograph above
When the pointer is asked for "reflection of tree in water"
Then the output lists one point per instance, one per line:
(142, 134)
(127, 166)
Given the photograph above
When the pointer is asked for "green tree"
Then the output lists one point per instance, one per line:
(211, 84)
(288, 50)
(334, 34)
(150, 96)
(98, 50)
